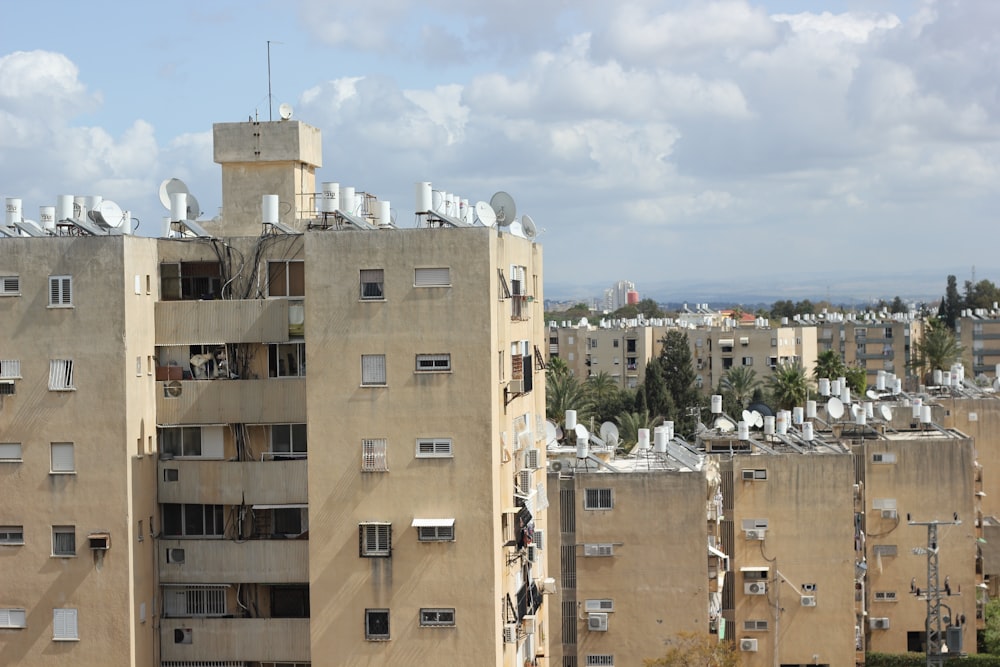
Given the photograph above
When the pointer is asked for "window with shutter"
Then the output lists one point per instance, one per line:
(61, 375)
(432, 277)
(375, 539)
(373, 455)
(373, 369)
(63, 460)
(10, 369)
(10, 286)
(434, 447)
(64, 625)
(10, 452)
(12, 618)
(60, 291)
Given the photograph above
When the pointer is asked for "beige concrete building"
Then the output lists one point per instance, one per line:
(979, 334)
(214, 504)
(761, 348)
(620, 351)
(875, 344)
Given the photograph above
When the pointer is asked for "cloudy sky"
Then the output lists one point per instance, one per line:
(747, 142)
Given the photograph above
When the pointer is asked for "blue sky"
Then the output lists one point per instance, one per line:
(738, 141)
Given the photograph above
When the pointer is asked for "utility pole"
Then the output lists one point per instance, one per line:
(937, 648)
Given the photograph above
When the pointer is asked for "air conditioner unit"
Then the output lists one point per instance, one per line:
(99, 541)
(532, 553)
(175, 556)
(597, 622)
(749, 645)
(555, 466)
(881, 623)
(530, 623)
(756, 534)
(172, 389)
(7, 388)
(808, 600)
(531, 458)
(539, 539)
(755, 588)
(524, 479)
(510, 633)
(516, 387)
(889, 514)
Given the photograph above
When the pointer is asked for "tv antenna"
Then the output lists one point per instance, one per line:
(938, 649)
(270, 103)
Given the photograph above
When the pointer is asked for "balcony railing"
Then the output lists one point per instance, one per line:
(236, 639)
(209, 561)
(234, 482)
(278, 400)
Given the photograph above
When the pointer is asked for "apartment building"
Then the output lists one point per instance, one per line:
(380, 508)
(876, 344)
(620, 351)
(978, 332)
(761, 348)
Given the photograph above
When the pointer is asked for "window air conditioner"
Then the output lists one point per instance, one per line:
(889, 514)
(597, 622)
(879, 623)
(749, 645)
(7, 388)
(530, 623)
(99, 541)
(516, 387)
(808, 600)
(510, 633)
(755, 588)
(175, 556)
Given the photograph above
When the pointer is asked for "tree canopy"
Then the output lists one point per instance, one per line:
(692, 649)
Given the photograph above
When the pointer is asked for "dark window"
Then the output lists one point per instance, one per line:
(290, 601)
(377, 624)
(190, 281)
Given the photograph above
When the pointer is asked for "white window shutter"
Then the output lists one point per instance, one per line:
(64, 624)
(432, 277)
(62, 457)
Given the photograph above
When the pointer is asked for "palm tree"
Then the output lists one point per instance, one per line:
(938, 349)
(601, 386)
(562, 393)
(557, 366)
(629, 424)
(741, 382)
(789, 385)
(829, 365)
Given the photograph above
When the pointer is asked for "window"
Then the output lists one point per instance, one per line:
(181, 441)
(433, 363)
(286, 360)
(884, 457)
(755, 625)
(63, 540)
(64, 625)
(437, 617)
(376, 624)
(748, 361)
(187, 601)
(373, 455)
(10, 285)
(63, 461)
(10, 452)
(286, 278)
(885, 596)
(10, 369)
(602, 604)
(597, 499)
(12, 535)
(375, 539)
(432, 277)
(60, 292)
(372, 281)
(435, 530)
(290, 601)
(373, 369)
(12, 618)
(434, 448)
(600, 660)
(192, 520)
(190, 281)
(288, 441)
(61, 375)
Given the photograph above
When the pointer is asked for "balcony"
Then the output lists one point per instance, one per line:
(235, 482)
(233, 402)
(234, 639)
(236, 321)
(209, 561)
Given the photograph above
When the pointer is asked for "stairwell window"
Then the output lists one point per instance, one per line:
(373, 370)
(433, 363)
(61, 375)
(375, 539)
(60, 291)
(372, 284)
(63, 541)
(437, 618)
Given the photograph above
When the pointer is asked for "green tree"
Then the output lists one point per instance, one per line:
(991, 635)
(857, 380)
(607, 399)
(938, 349)
(629, 424)
(951, 304)
(829, 365)
(781, 309)
(740, 382)
(654, 387)
(557, 366)
(789, 385)
(805, 306)
(981, 295)
(562, 393)
(650, 309)
(571, 314)
(692, 649)
(898, 306)
(679, 375)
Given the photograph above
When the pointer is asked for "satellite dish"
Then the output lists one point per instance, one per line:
(108, 214)
(872, 394)
(886, 412)
(172, 186)
(551, 437)
(285, 111)
(486, 216)
(516, 230)
(747, 417)
(856, 409)
(193, 209)
(581, 431)
(528, 227)
(504, 207)
(724, 425)
(609, 433)
(835, 408)
(756, 419)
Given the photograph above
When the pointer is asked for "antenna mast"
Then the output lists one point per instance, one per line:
(270, 104)
(938, 649)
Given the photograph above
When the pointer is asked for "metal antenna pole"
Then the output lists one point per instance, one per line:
(270, 105)
(935, 638)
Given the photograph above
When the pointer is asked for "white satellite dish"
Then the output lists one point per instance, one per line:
(169, 187)
(856, 409)
(581, 431)
(193, 209)
(724, 425)
(747, 417)
(756, 419)
(872, 394)
(551, 437)
(285, 111)
(504, 207)
(516, 230)
(528, 227)
(108, 214)
(886, 412)
(609, 434)
(486, 216)
(835, 408)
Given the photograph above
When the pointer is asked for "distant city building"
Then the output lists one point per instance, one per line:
(616, 296)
